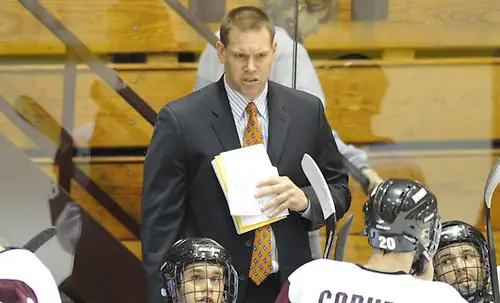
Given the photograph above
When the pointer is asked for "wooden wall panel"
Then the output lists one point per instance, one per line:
(426, 101)
(110, 26)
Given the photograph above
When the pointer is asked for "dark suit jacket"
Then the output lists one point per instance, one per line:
(182, 197)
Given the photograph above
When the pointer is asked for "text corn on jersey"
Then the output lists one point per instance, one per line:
(25, 279)
(328, 281)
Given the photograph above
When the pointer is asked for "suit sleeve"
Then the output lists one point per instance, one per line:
(163, 197)
(328, 159)
(283, 296)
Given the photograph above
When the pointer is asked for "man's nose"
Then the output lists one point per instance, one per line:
(250, 67)
(459, 264)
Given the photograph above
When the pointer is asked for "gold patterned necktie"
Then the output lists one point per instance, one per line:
(261, 262)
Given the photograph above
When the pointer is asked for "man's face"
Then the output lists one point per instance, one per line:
(202, 283)
(460, 266)
(247, 60)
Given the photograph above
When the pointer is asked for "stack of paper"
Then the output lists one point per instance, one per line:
(238, 172)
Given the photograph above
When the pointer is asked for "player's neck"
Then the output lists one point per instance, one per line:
(390, 262)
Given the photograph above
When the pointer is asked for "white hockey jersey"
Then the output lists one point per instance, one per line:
(24, 278)
(328, 281)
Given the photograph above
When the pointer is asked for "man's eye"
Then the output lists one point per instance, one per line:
(469, 256)
(446, 261)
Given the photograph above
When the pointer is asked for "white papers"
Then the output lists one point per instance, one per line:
(238, 172)
(244, 168)
(241, 193)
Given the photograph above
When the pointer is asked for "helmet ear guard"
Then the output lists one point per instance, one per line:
(426, 253)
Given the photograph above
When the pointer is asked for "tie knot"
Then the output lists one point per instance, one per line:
(251, 109)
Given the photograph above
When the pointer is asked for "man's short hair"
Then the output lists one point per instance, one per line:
(246, 18)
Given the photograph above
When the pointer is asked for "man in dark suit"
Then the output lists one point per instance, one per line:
(181, 194)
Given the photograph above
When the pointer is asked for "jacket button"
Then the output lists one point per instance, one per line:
(248, 243)
(241, 277)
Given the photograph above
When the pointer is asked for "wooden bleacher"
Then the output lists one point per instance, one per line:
(410, 101)
(363, 104)
(106, 27)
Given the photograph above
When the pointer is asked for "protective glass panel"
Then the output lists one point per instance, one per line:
(410, 89)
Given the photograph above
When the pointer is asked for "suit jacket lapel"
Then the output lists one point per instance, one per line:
(223, 121)
(279, 121)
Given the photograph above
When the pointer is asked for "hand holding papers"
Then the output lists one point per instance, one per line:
(243, 169)
(238, 172)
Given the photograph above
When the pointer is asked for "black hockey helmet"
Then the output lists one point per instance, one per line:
(473, 289)
(197, 250)
(402, 216)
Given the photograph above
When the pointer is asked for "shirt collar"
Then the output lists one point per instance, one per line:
(238, 102)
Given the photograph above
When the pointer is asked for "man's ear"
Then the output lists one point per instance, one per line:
(221, 52)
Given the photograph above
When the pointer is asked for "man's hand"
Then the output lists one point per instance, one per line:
(288, 195)
(373, 177)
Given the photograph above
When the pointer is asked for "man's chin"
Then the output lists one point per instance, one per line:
(467, 287)
(251, 91)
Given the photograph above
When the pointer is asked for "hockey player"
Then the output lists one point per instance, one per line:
(199, 270)
(462, 261)
(25, 279)
(403, 226)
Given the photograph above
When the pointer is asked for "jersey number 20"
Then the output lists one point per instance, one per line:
(387, 242)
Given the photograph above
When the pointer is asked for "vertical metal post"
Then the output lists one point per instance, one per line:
(64, 157)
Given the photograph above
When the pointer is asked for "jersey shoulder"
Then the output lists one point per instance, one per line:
(316, 269)
(24, 266)
(445, 292)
